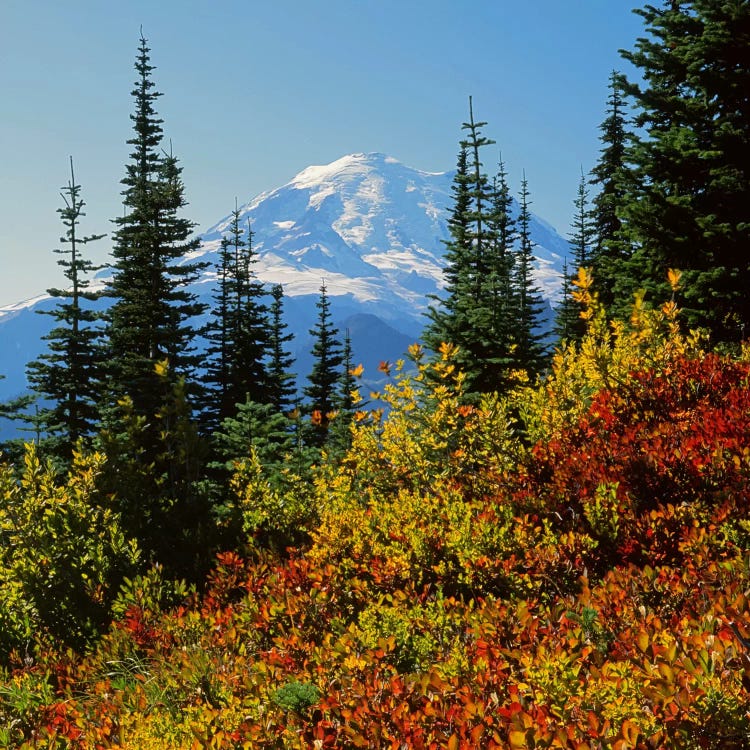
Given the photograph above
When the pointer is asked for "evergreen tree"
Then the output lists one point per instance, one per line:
(687, 205)
(149, 320)
(148, 430)
(281, 381)
(493, 316)
(68, 375)
(609, 176)
(340, 430)
(475, 314)
(326, 372)
(568, 322)
(218, 405)
(529, 352)
(445, 313)
(250, 328)
(567, 315)
(238, 331)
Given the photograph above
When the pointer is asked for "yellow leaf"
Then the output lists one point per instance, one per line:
(673, 277)
(517, 738)
(453, 742)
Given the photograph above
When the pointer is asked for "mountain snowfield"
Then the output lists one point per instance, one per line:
(369, 226)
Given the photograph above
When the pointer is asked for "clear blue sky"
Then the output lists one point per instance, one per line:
(255, 91)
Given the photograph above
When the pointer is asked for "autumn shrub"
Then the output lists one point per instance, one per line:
(62, 554)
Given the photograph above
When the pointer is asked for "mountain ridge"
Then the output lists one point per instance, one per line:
(369, 226)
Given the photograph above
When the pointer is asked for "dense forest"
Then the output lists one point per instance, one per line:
(513, 544)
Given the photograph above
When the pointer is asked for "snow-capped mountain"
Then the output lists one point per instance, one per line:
(366, 224)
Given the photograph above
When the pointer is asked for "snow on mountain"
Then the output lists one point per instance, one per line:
(373, 228)
(366, 224)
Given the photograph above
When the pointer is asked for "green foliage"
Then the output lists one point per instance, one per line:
(155, 462)
(69, 374)
(296, 696)
(149, 319)
(688, 184)
(63, 553)
(322, 391)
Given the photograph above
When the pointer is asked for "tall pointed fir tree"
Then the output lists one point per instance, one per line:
(474, 313)
(150, 318)
(249, 379)
(493, 317)
(218, 334)
(67, 377)
(529, 353)
(323, 380)
(444, 314)
(340, 438)
(148, 431)
(281, 380)
(569, 325)
(237, 333)
(610, 249)
(687, 206)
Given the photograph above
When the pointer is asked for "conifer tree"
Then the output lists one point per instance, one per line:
(217, 404)
(686, 206)
(68, 375)
(238, 331)
(150, 318)
(609, 176)
(281, 381)
(568, 322)
(476, 312)
(326, 372)
(249, 376)
(445, 315)
(529, 352)
(147, 424)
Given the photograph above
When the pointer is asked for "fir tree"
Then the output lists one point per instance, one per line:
(148, 430)
(529, 352)
(250, 328)
(568, 322)
(445, 313)
(218, 405)
(326, 372)
(687, 205)
(609, 176)
(150, 318)
(67, 377)
(340, 438)
(238, 331)
(475, 314)
(281, 381)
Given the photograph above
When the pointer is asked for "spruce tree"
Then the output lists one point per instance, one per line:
(529, 353)
(150, 318)
(217, 401)
(445, 314)
(238, 331)
(148, 430)
(609, 177)
(281, 380)
(568, 322)
(475, 314)
(325, 376)
(687, 205)
(68, 376)
(251, 343)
